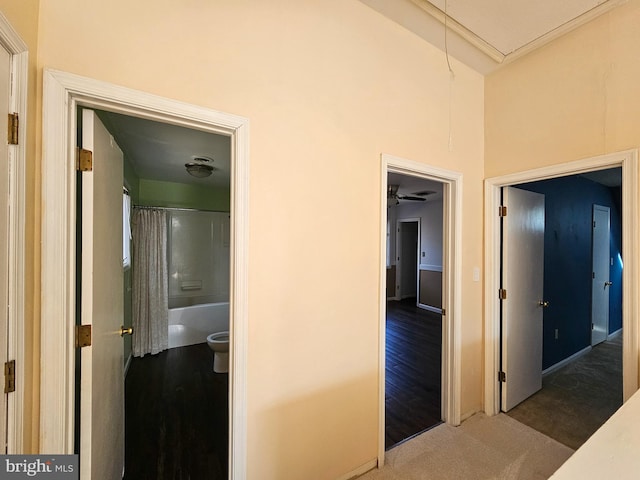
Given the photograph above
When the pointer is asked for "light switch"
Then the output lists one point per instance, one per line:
(476, 274)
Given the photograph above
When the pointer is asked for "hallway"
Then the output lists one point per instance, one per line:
(578, 398)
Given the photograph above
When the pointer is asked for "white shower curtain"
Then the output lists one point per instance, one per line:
(150, 290)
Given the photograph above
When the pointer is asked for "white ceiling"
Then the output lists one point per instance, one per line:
(413, 186)
(159, 151)
(487, 33)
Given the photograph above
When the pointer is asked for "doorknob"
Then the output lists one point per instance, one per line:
(125, 331)
(543, 304)
(608, 284)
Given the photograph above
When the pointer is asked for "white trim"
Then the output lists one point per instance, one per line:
(631, 272)
(431, 268)
(615, 334)
(452, 286)
(429, 308)
(362, 469)
(63, 93)
(566, 361)
(10, 39)
(398, 286)
(500, 57)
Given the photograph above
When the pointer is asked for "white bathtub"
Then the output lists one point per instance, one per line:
(191, 325)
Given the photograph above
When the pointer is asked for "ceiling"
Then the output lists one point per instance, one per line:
(485, 34)
(413, 186)
(159, 151)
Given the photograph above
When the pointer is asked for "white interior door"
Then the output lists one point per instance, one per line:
(523, 274)
(102, 370)
(5, 73)
(600, 277)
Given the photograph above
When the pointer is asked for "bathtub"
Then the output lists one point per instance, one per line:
(191, 325)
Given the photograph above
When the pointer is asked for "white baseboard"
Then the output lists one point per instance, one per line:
(430, 308)
(615, 334)
(126, 364)
(359, 471)
(566, 361)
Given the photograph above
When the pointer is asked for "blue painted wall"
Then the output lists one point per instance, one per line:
(567, 262)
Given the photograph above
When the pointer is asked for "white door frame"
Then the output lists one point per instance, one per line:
(451, 286)
(63, 93)
(12, 42)
(399, 253)
(628, 160)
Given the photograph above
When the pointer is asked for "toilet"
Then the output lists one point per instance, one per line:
(219, 343)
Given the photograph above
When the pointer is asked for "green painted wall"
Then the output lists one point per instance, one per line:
(180, 195)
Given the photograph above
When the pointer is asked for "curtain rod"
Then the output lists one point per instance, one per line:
(149, 207)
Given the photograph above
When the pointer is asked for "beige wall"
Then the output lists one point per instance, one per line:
(576, 98)
(327, 85)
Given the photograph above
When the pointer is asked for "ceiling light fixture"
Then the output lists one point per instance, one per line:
(198, 169)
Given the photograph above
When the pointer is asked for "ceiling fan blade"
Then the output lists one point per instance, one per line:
(408, 197)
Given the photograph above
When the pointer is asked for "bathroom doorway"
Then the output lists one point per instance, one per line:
(67, 92)
(171, 392)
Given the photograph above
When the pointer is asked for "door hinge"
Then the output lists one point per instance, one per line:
(592, 326)
(593, 274)
(594, 224)
(444, 312)
(502, 294)
(12, 129)
(84, 160)
(502, 211)
(502, 377)
(10, 376)
(83, 336)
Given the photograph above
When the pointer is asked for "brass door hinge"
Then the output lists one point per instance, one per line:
(83, 336)
(10, 376)
(84, 160)
(502, 211)
(502, 294)
(12, 129)
(502, 377)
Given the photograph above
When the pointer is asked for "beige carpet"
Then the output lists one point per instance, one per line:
(491, 448)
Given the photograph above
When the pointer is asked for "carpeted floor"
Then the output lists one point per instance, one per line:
(482, 448)
(578, 398)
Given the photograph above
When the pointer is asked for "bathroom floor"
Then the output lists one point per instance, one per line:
(176, 416)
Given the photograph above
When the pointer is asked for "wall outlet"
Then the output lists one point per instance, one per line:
(556, 334)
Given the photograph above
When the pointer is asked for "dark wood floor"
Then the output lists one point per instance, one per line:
(413, 374)
(176, 416)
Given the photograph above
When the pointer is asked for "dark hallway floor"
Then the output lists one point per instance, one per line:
(176, 416)
(413, 373)
(578, 398)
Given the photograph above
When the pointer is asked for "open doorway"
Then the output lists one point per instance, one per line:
(581, 380)
(413, 385)
(450, 282)
(179, 222)
(65, 93)
(628, 162)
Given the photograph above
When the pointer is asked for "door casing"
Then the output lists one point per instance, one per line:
(63, 93)
(12, 42)
(399, 253)
(628, 161)
(451, 286)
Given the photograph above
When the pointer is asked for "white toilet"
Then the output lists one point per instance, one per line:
(219, 343)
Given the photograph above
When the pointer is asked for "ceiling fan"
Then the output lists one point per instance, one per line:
(393, 197)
